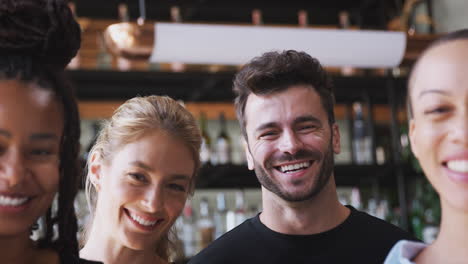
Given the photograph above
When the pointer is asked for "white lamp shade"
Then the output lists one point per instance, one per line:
(236, 45)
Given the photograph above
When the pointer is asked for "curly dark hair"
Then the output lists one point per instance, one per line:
(38, 38)
(277, 71)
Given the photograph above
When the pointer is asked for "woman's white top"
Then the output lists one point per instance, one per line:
(404, 251)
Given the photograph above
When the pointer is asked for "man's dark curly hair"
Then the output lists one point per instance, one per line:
(38, 38)
(276, 72)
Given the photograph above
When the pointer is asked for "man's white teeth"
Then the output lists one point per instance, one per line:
(142, 221)
(293, 167)
(12, 201)
(458, 165)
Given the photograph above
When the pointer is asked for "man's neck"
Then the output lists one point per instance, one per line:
(319, 214)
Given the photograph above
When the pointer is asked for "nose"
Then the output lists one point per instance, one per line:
(12, 169)
(460, 130)
(153, 199)
(289, 142)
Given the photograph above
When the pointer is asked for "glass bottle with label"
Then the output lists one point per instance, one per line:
(220, 215)
(362, 148)
(241, 215)
(176, 17)
(223, 143)
(302, 18)
(104, 58)
(238, 215)
(205, 150)
(257, 17)
(123, 64)
(343, 18)
(205, 224)
(188, 232)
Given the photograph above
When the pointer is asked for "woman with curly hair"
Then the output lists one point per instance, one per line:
(39, 132)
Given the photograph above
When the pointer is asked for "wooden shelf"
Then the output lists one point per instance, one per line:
(101, 92)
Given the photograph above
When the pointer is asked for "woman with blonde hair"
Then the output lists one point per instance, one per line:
(140, 172)
(438, 105)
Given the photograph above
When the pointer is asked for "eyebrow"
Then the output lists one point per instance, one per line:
(297, 120)
(266, 125)
(5, 133)
(141, 165)
(33, 137)
(180, 177)
(43, 136)
(148, 168)
(432, 91)
(307, 118)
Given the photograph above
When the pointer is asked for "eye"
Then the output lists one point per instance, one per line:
(177, 187)
(268, 134)
(437, 110)
(41, 154)
(307, 127)
(139, 177)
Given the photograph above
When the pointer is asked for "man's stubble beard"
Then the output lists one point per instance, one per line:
(319, 181)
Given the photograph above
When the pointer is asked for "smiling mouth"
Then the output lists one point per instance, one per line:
(141, 221)
(291, 168)
(13, 201)
(457, 165)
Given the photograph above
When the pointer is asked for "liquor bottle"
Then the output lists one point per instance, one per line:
(257, 17)
(302, 18)
(205, 150)
(188, 236)
(124, 16)
(220, 215)
(223, 143)
(205, 224)
(241, 215)
(362, 152)
(123, 64)
(176, 17)
(104, 58)
(238, 215)
(355, 198)
(343, 18)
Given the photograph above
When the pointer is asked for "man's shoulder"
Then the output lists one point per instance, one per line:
(231, 245)
(377, 227)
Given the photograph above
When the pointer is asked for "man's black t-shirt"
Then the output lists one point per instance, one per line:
(361, 238)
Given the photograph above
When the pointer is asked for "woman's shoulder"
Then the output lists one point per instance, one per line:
(404, 251)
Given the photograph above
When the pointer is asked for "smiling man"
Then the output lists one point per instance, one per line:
(285, 106)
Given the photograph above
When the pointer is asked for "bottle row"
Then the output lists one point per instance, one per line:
(223, 142)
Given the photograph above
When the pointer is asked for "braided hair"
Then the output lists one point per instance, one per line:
(38, 38)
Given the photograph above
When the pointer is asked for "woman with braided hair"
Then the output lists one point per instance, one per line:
(39, 132)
